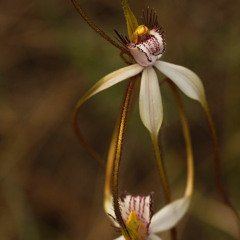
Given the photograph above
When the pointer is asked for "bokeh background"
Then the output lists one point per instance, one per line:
(50, 187)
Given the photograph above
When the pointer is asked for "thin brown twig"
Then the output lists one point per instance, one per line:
(89, 148)
(218, 169)
(96, 28)
(117, 157)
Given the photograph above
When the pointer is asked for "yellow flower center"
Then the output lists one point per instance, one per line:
(140, 33)
(136, 228)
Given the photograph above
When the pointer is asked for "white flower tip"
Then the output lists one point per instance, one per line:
(108, 207)
(185, 79)
(168, 217)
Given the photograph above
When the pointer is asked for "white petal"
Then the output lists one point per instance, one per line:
(169, 216)
(111, 79)
(141, 205)
(150, 101)
(185, 79)
(153, 237)
(120, 238)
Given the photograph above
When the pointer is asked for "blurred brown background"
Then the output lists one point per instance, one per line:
(50, 187)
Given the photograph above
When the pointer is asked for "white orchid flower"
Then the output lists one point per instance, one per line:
(136, 212)
(147, 45)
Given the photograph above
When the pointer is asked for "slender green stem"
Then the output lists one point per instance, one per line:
(163, 176)
(164, 180)
(96, 28)
(161, 168)
(117, 158)
(217, 166)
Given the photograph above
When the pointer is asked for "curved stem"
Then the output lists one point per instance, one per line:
(217, 166)
(96, 28)
(217, 163)
(117, 158)
(187, 138)
(188, 142)
(89, 148)
(109, 168)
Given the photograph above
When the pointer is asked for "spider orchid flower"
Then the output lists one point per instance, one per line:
(146, 44)
(137, 214)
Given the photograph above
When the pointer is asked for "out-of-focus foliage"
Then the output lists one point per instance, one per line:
(50, 188)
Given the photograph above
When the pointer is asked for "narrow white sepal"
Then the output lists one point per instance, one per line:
(170, 215)
(185, 79)
(110, 80)
(150, 101)
(108, 207)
